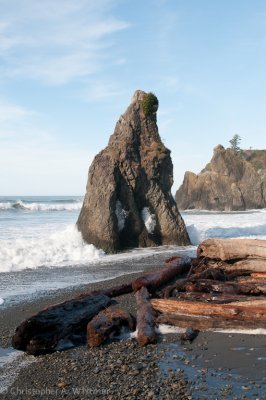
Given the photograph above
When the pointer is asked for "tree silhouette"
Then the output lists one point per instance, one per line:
(235, 142)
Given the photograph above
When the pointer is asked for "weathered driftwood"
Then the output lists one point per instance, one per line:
(250, 264)
(181, 284)
(228, 311)
(111, 321)
(258, 275)
(230, 249)
(43, 332)
(114, 291)
(208, 322)
(153, 280)
(210, 286)
(145, 318)
(216, 298)
(252, 280)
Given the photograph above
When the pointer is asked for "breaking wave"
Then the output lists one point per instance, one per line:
(62, 248)
(202, 225)
(20, 205)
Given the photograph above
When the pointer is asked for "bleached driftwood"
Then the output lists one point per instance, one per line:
(243, 311)
(230, 249)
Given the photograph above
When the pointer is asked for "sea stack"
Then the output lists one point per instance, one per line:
(128, 201)
(231, 181)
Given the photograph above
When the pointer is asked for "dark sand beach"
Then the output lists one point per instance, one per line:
(214, 366)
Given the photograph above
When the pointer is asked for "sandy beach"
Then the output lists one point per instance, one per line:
(214, 366)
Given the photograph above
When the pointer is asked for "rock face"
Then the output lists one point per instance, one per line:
(231, 181)
(128, 201)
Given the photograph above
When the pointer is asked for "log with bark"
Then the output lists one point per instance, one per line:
(107, 323)
(181, 284)
(218, 298)
(230, 249)
(153, 280)
(114, 291)
(146, 325)
(67, 321)
(210, 286)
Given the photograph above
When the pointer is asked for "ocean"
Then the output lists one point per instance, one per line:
(40, 246)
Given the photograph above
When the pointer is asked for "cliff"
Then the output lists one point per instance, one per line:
(128, 201)
(231, 181)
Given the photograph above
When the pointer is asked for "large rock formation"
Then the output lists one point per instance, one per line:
(231, 181)
(128, 202)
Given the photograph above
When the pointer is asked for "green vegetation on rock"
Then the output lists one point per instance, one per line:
(235, 142)
(149, 104)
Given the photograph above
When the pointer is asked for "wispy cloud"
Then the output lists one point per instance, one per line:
(33, 158)
(56, 41)
(100, 90)
(12, 112)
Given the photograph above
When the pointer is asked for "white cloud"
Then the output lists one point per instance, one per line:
(56, 41)
(100, 90)
(12, 112)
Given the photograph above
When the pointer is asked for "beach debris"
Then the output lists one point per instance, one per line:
(153, 280)
(204, 293)
(67, 321)
(225, 290)
(146, 325)
(107, 323)
(232, 249)
(189, 335)
(114, 291)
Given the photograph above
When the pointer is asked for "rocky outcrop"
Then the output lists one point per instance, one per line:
(128, 201)
(231, 181)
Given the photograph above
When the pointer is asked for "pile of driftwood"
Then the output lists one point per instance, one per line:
(223, 287)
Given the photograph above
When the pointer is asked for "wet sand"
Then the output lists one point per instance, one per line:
(214, 366)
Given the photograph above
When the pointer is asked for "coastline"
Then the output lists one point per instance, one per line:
(215, 365)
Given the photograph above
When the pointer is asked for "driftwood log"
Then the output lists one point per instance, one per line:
(237, 311)
(210, 286)
(230, 249)
(218, 298)
(153, 280)
(114, 291)
(45, 331)
(208, 322)
(249, 264)
(146, 333)
(111, 321)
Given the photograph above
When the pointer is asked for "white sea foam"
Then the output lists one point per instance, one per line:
(205, 224)
(164, 329)
(35, 206)
(148, 219)
(64, 247)
(121, 215)
(1, 301)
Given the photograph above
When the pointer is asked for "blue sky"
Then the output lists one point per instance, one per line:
(68, 70)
